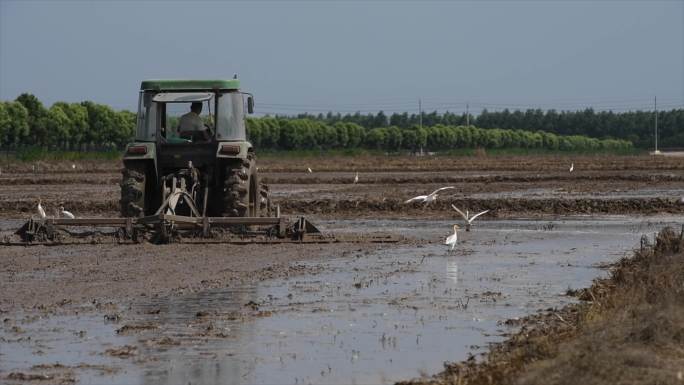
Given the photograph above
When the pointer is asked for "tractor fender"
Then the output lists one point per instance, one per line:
(134, 153)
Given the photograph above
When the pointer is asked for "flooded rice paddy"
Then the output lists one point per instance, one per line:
(370, 316)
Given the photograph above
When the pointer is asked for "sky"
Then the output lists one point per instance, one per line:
(353, 55)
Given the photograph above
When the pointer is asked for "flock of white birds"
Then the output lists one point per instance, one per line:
(452, 239)
(61, 212)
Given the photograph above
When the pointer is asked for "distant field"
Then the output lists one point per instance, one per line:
(509, 185)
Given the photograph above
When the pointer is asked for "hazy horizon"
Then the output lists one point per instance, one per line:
(347, 56)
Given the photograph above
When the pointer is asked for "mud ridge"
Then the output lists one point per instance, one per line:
(500, 207)
(477, 179)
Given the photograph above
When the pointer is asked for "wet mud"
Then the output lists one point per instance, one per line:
(320, 314)
(306, 313)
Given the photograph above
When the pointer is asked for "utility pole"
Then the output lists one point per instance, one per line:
(420, 121)
(655, 108)
(467, 116)
(420, 114)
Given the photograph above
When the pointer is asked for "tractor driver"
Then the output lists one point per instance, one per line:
(192, 126)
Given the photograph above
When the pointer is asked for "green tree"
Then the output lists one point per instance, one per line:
(37, 119)
(5, 123)
(78, 118)
(18, 128)
(58, 124)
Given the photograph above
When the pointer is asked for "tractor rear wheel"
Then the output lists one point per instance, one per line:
(133, 184)
(236, 187)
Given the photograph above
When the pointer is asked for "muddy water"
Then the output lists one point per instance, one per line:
(369, 317)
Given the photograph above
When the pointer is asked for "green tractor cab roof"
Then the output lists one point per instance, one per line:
(170, 85)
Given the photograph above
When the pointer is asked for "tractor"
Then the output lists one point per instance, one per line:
(208, 169)
(190, 175)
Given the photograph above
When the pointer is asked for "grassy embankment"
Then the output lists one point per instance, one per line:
(455, 152)
(630, 330)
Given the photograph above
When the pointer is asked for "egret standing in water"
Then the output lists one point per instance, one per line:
(356, 178)
(469, 220)
(572, 167)
(66, 213)
(453, 238)
(41, 210)
(308, 169)
(428, 198)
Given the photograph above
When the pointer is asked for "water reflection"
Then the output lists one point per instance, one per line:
(452, 270)
(208, 332)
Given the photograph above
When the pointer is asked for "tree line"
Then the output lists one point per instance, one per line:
(66, 126)
(634, 126)
(298, 134)
(87, 125)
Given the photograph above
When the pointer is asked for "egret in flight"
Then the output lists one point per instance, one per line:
(428, 198)
(41, 210)
(453, 238)
(469, 220)
(66, 213)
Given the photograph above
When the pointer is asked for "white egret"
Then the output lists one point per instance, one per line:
(572, 167)
(73, 166)
(469, 220)
(41, 211)
(453, 238)
(356, 178)
(66, 213)
(428, 198)
(308, 169)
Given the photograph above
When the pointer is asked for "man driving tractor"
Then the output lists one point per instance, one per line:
(191, 125)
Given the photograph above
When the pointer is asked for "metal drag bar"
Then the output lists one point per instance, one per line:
(114, 222)
(163, 225)
(155, 219)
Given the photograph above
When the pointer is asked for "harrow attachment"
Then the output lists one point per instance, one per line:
(169, 228)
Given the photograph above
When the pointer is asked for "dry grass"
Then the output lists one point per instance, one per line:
(631, 332)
